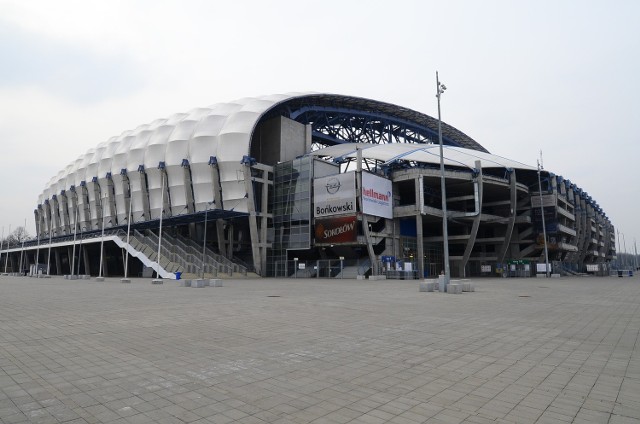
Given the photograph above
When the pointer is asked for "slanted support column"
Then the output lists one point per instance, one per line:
(258, 233)
(63, 204)
(47, 216)
(55, 215)
(251, 206)
(144, 193)
(365, 222)
(264, 214)
(512, 221)
(82, 199)
(38, 220)
(110, 196)
(217, 187)
(476, 222)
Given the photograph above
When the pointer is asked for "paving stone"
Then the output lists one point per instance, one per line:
(324, 350)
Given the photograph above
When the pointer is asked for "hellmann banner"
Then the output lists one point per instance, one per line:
(334, 195)
(377, 196)
(341, 229)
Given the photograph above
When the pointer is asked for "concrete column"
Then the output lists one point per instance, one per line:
(420, 246)
(105, 268)
(476, 224)
(58, 261)
(230, 240)
(264, 218)
(512, 220)
(70, 259)
(14, 263)
(220, 234)
(87, 265)
(253, 224)
(419, 234)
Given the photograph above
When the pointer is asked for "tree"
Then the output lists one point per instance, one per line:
(17, 236)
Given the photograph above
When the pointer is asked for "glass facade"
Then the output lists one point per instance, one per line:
(291, 209)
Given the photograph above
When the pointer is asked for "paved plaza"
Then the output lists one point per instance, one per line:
(319, 351)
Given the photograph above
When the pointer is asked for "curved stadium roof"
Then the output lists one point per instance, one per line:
(224, 131)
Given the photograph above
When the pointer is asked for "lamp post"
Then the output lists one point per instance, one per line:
(2, 242)
(37, 253)
(100, 277)
(22, 250)
(626, 258)
(440, 88)
(49, 251)
(6, 258)
(75, 232)
(82, 230)
(204, 240)
(162, 176)
(544, 227)
(126, 257)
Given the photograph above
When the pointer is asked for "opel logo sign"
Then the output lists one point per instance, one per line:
(333, 186)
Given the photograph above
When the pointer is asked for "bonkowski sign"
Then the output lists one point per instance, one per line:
(377, 196)
(334, 195)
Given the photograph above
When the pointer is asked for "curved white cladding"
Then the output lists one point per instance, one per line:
(137, 183)
(222, 130)
(94, 189)
(104, 168)
(118, 166)
(177, 150)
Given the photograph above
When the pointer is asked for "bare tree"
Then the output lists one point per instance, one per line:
(17, 236)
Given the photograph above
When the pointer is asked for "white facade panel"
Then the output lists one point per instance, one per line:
(136, 182)
(177, 189)
(201, 178)
(154, 181)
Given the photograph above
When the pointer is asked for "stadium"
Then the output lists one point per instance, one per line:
(307, 185)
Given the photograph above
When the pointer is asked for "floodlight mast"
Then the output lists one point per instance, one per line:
(440, 88)
(544, 226)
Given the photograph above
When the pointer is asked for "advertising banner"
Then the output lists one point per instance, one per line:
(377, 196)
(547, 201)
(334, 195)
(337, 230)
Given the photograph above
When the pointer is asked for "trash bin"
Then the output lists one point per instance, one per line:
(178, 274)
(630, 273)
(620, 273)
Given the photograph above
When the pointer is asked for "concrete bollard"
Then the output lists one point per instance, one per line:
(215, 282)
(468, 287)
(185, 283)
(157, 281)
(441, 282)
(197, 284)
(454, 288)
(428, 285)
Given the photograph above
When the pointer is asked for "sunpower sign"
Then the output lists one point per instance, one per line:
(377, 196)
(334, 195)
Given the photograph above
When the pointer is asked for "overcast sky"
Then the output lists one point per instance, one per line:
(522, 76)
